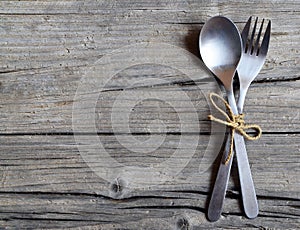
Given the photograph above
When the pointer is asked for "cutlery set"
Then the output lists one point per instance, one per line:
(224, 51)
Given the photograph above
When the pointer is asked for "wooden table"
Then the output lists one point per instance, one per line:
(51, 50)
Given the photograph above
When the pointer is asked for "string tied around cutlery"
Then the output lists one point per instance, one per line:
(235, 122)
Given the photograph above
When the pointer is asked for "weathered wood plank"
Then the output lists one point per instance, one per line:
(45, 104)
(162, 212)
(53, 163)
(46, 47)
(41, 68)
(71, 40)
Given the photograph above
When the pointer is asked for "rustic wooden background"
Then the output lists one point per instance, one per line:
(47, 46)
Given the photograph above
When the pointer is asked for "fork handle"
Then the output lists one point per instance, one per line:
(246, 181)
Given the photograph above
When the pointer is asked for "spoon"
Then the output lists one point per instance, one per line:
(220, 48)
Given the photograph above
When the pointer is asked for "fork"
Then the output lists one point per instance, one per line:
(253, 57)
(251, 62)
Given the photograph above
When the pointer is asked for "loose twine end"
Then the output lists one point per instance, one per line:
(235, 122)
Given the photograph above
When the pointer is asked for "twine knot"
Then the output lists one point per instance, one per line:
(235, 121)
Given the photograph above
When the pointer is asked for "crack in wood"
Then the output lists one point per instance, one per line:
(266, 80)
(199, 209)
(132, 133)
(68, 194)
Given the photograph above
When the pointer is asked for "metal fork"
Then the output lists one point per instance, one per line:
(252, 59)
(251, 62)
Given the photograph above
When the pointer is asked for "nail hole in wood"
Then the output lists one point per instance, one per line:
(182, 224)
(117, 186)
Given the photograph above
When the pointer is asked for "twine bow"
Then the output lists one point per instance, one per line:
(235, 122)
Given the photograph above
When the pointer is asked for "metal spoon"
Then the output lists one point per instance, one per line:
(220, 48)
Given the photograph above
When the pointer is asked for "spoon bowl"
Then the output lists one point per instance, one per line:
(220, 48)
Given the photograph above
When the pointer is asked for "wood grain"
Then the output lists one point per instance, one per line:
(47, 48)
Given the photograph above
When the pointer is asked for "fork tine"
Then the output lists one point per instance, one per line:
(265, 42)
(255, 50)
(252, 37)
(245, 33)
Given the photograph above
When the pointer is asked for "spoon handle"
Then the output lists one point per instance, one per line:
(220, 187)
(246, 181)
